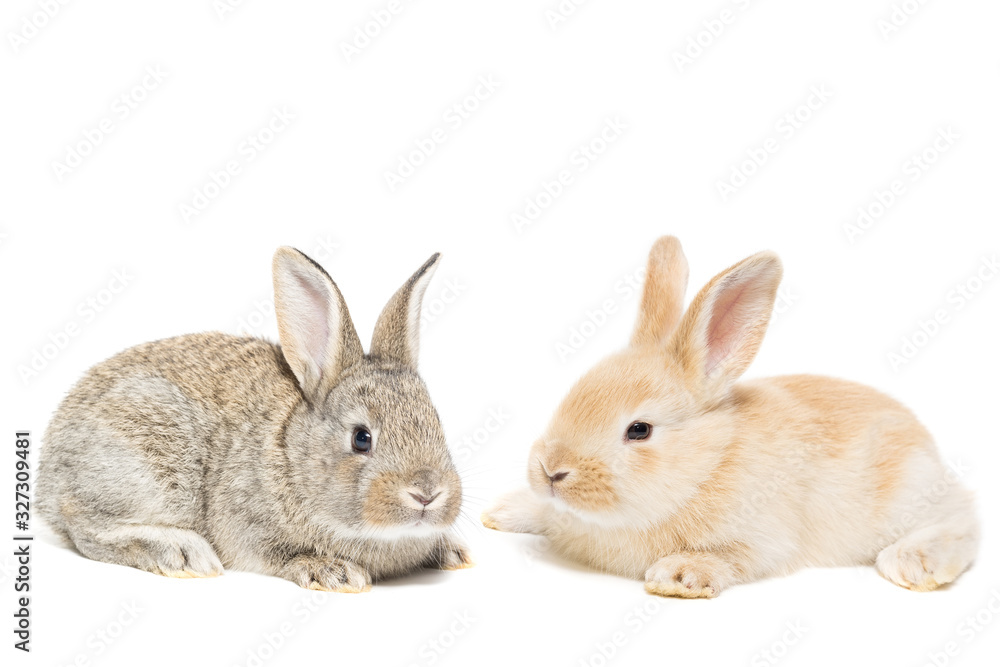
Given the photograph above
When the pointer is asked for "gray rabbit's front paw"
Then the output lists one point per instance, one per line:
(451, 555)
(327, 574)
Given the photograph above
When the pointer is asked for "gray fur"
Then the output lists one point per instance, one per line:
(190, 454)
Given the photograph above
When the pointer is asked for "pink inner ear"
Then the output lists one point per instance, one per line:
(312, 320)
(729, 319)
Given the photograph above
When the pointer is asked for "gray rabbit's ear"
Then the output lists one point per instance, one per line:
(397, 332)
(317, 336)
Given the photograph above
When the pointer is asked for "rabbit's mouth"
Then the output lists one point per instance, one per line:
(412, 511)
(426, 519)
(420, 502)
(418, 499)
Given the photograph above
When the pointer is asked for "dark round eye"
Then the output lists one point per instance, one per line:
(638, 431)
(362, 440)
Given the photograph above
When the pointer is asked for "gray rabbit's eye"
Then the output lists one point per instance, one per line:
(638, 431)
(362, 440)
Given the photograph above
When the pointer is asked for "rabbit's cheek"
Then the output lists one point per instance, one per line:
(346, 471)
(589, 487)
(453, 504)
(382, 503)
(582, 483)
(448, 512)
(642, 460)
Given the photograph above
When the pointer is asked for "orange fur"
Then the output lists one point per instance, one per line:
(736, 481)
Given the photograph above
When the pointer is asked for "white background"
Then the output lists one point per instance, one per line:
(320, 185)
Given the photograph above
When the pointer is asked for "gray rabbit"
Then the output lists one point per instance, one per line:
(310, 460)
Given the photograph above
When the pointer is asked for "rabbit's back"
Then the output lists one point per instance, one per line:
(853, 465)
(829, 431)
(143, 434)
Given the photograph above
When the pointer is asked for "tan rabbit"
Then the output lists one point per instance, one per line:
(659, 465)
(311, 460)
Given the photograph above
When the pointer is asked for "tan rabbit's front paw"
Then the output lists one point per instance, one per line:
(327, 574)
(451, 555)
(514, 512)
(688, 575)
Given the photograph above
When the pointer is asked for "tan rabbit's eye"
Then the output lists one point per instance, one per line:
(638, 431)
(362, 440)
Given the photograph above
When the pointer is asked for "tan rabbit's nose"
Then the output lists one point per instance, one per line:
(558, 476)
(553, 477)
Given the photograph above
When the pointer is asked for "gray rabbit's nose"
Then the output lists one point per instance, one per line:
(424, 500)
(426, 481)
(426, 490)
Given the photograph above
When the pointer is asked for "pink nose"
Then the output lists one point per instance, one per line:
(424, 500)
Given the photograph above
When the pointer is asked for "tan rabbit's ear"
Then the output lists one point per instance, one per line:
(662, 293)
(317, 335)
(721, 331)
(397, 331)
